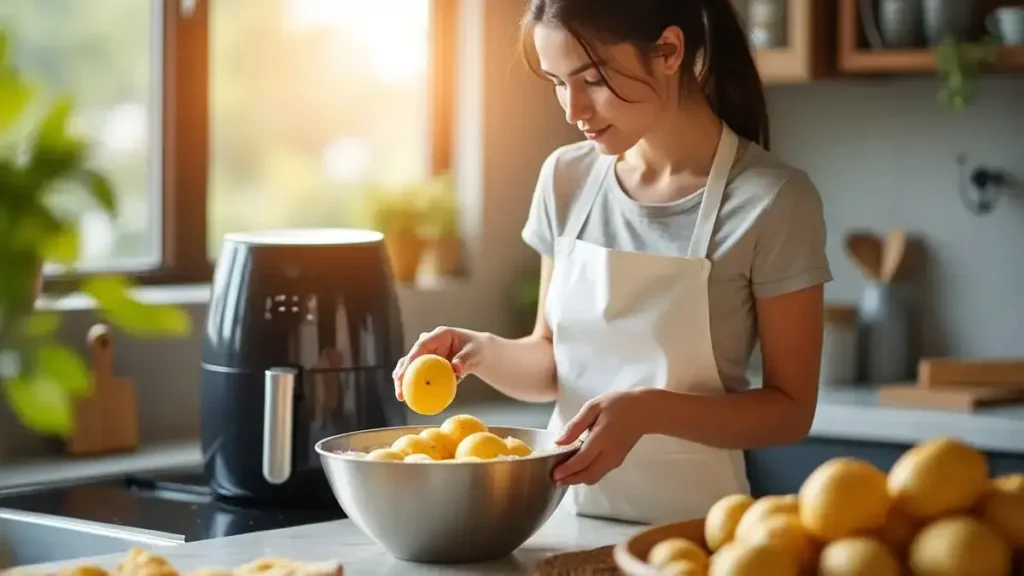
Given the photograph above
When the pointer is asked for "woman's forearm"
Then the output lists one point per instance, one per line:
(741, 420)
(523, 368)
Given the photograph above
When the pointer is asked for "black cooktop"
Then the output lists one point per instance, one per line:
(178, 503)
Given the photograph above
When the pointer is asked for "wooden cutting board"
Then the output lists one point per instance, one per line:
(949, 397)
(959, 372)
(107, 420)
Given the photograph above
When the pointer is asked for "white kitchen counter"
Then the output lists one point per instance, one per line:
(844, 413)
(343, 541)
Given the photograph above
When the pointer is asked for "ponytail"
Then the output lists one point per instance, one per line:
(732, 83)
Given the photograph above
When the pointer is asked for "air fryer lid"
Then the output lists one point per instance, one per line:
(289, 297)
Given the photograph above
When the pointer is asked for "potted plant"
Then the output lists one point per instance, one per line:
(959, 66)
(398, 214)
(41, 378)
(441, 223)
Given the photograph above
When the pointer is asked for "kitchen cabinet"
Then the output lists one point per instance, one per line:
(800, 41)
(856, 56)
(798, 49)
(781, 470)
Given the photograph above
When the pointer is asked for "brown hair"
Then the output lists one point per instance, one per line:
(713, 38)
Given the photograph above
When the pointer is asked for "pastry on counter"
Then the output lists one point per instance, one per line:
(141, 562)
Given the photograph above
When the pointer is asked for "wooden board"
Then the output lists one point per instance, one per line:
(950, 397)
(631, 555)
(959, 372)
(107, 420)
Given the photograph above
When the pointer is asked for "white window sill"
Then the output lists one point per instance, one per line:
(199, 294)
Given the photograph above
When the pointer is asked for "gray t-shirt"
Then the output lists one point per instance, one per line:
(769, 237)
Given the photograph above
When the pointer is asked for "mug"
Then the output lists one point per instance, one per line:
(1007, 23)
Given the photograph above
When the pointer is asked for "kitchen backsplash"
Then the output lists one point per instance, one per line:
(882, 153)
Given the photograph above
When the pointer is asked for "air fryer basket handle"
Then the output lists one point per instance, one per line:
(278, 404)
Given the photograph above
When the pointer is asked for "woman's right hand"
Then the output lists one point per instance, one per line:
(463, 348)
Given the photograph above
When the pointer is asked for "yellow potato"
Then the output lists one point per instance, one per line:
(682, 568)
(843, 497)
(429, 384)
(738, 558)
(937, 478)
(483, 445)
(857, 556)
(673, 549)
(460, 426)
(1003, 507)
(763, 507)
(517, 447)
(443, 441)
(722, 518)
(385, 455)
(956, 545)
(418, 458)
(784, 531)
(415, 444)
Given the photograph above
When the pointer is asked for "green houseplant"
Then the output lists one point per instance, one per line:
(441, 224)
(398, 213)
(41, 378)
(959, 66)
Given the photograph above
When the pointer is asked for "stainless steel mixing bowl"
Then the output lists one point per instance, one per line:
(445, 512)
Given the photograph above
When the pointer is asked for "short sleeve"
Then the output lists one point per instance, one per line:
(540, 229)
(789, 254)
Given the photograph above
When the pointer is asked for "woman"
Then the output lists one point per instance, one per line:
(671, 242)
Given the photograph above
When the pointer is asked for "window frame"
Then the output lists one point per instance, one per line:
(185, 125)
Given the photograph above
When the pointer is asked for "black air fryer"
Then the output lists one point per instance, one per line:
(302, 334)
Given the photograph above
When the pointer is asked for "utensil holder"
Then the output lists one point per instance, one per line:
(883, 332)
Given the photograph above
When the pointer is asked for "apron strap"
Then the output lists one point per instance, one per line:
(713, 192)
(587, 196)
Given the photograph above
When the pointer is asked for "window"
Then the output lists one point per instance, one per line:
(100, 53)
(212, 116)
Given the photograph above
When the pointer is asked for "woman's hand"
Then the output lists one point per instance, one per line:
(460, 347)
(616, 423)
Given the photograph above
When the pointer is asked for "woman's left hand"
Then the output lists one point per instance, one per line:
(616, 423)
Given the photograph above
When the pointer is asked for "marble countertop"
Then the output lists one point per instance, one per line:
(343, 541)
(844, 413)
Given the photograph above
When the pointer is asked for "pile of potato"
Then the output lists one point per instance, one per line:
(460, 438)
(937, 512)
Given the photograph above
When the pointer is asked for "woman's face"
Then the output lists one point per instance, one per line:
(615, 124)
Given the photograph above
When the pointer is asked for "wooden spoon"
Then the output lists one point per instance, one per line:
(892, 254)
(866, 251)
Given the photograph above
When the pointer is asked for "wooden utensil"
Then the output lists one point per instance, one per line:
(866, 251)
(107, 420)
(892, 254)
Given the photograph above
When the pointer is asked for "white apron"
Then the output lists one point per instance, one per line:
(623, 320)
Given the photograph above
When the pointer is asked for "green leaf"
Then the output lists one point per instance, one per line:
(62, 247)
(53, 129)
(133, 317)
(4, 46)
(55, 151)
(99, 188)
(41, 404)
(42, 324)
(14, 98)
(64, 366)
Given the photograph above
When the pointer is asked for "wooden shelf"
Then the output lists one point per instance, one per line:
(803, 59)
(852, 58)
(1009, 59)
